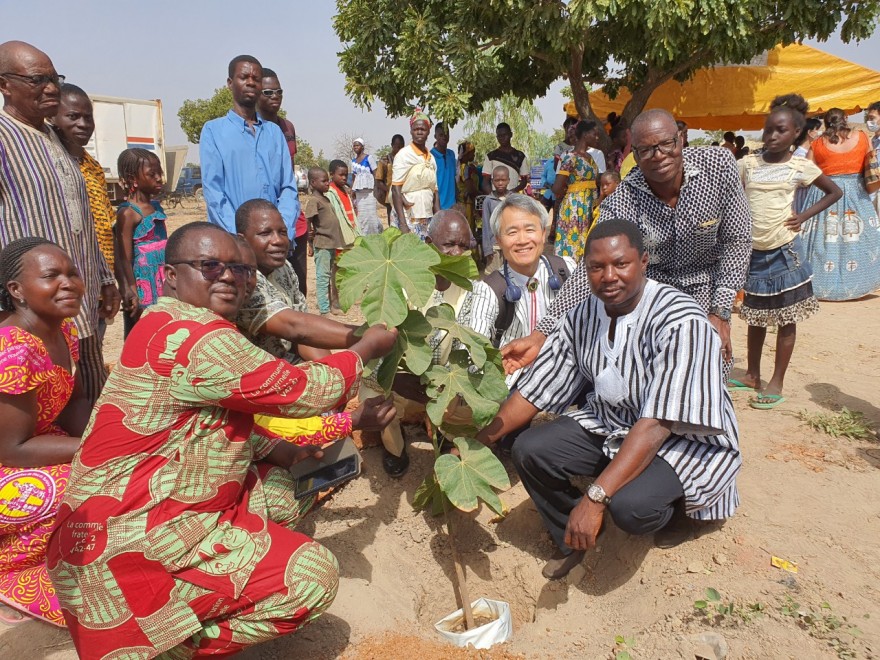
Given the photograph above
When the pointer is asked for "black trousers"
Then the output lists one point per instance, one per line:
(299, 259)
(547, 456)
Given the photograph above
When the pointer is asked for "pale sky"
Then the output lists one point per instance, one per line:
(179, 49)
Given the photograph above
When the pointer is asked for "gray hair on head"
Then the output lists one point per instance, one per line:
(442, 217)
(523, 203)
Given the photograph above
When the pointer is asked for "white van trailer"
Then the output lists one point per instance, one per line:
(121, 124)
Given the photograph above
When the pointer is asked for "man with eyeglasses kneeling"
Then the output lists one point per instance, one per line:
(177, 529)
(692, 210)
(656, 430)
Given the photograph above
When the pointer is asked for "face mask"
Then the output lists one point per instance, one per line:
(873, 126)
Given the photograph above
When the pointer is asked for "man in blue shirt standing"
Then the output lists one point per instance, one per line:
(446, 169)
(244, 157)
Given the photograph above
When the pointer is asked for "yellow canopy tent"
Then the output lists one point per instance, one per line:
(737, 97)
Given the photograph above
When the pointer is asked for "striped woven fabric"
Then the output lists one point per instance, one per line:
(42, 193)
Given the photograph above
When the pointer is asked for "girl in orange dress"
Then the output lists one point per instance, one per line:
(843, 243)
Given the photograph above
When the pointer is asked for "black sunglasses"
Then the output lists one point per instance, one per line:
(37, 81)
(212, 269)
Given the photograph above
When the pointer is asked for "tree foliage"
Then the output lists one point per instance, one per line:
(390, 273)
(306, 156)
(454, 56)
(193, 114)
(521, 115)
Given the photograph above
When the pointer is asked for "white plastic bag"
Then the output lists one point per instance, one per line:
(481, 637)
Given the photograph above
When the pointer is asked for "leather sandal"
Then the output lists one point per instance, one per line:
(395, 466)
(561, 565)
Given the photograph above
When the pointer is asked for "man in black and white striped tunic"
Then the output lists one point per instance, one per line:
(657, 430)
(43, 193)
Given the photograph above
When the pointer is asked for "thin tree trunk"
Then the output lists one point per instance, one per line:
(582, 97)
(460, 582)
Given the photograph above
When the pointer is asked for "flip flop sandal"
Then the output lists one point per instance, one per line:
(766, 401)
(735, 385)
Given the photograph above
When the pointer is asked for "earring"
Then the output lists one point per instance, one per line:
(21, 301)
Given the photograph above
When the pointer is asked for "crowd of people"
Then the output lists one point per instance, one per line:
(154, 511)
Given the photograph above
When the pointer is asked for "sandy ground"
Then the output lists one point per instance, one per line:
(806, 497)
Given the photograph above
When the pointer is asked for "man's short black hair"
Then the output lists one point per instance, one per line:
(69, 89)
(502, 126)
(268, 73)
(729, 136)
(398, 137)
(617, 227)
(238, 59)
(246, 210)
(174, 246)
(874, 107)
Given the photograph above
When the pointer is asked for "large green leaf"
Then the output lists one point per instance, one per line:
(387, 272)
(388, 366)
(442, 318)
(429, 494)
(413, 335)
(472, 476)
(460, 270)
(483, 392)
(411, 346)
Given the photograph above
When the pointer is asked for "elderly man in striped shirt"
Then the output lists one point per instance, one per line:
(43, 193)
(657, 430)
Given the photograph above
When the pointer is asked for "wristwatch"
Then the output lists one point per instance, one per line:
(597, 494)
(721, 312)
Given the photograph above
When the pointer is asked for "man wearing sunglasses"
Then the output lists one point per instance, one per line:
(43, 193)
(244, 156)
(691, 208)
(269, 106)
(191, 504)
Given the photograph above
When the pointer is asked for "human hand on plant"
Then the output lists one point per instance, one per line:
(522, 352)
(373, 414)
(375, 342)
(584, 524)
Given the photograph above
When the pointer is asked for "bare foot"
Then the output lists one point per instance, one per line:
(11, 616)
(751, 381)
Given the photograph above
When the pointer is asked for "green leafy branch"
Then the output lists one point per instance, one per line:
(393, 276)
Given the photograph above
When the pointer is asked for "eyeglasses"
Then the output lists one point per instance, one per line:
(666, 148)
(212, 269)
(273, 92)
(37, 81)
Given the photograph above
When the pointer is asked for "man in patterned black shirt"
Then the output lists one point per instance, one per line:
(691, 208)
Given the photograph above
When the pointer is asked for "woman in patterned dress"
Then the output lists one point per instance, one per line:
(842, 243)
(177, 530)
(44, 412)
(576, 186)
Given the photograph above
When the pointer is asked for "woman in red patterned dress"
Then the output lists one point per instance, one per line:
(177, 532)
(44, 413)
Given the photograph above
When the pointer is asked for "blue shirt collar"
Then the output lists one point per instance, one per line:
(238, 120)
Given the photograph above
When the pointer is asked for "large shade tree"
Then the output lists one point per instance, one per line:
(455, 55)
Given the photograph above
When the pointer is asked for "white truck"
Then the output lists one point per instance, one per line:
(121, 124)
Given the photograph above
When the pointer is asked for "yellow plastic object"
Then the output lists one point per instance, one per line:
(784, 564)
(289, 428)
(737, 97)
